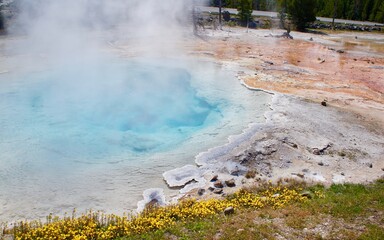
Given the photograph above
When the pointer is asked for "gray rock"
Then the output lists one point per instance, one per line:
(237, 173)
(229, 211)
(316, 151)
(230, 183)
(214, 178)
(307, 194)
(201, 191)
(218, 191)
(218, 184)
(300, 175)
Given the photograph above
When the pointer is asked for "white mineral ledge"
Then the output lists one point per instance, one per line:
(152, 194)
(180, 177)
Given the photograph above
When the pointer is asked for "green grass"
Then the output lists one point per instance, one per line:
(374, 232)
(346, 211)
(349, 201)
(196, 229)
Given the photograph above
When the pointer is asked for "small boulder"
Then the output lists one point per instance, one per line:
(201, 191)
(316, 151)
(230, 183)
(324, 103)
(250, 174)
(218, 191)
(226, 16)
(307, 194)
(300, 175)
(214, 178)
(229, 211)
(218, 184)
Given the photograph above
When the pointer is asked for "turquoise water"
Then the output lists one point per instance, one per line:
(82, 113)
(95, 136)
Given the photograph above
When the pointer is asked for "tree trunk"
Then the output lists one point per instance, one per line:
(220, 6)
(334, 13)
(194, 18)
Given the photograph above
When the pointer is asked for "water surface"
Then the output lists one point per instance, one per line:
(95, 136)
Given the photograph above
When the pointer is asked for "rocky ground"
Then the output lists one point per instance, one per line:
(326, 122)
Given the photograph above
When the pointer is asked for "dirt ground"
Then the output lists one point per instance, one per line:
(326, 122)
(345, 69)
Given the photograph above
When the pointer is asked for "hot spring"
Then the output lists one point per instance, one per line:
(95, 136)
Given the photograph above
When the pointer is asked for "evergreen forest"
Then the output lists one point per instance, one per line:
(361, 10)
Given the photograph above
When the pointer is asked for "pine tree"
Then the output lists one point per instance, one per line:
(301, 12)
(245, 10)
(2, 21)
(380, 13)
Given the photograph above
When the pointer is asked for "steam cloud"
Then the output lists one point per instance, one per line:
(75, 43)
(61, 29)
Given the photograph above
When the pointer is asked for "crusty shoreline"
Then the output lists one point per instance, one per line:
(300, 140)
(331, 133)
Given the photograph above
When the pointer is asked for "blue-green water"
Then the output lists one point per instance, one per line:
(95, 136)
(84, 112)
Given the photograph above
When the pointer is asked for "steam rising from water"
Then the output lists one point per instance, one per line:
(62, 30)
(126, 106)
(71, 41)
(78, 116)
